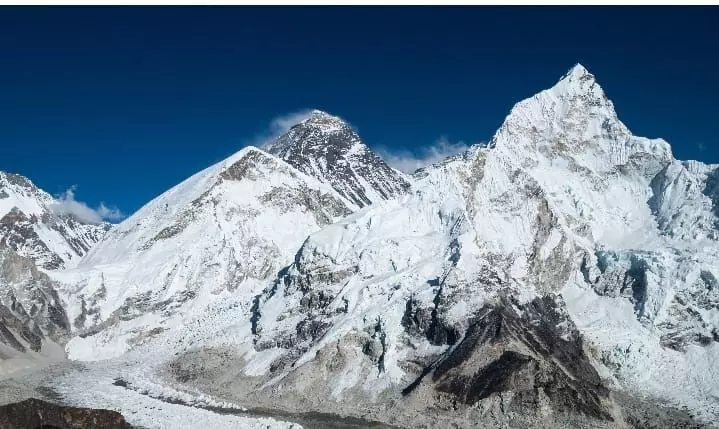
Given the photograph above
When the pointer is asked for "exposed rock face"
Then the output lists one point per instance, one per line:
(533, 351)
(37, 414)
(30, 309)
(686, 324)
(327, 148)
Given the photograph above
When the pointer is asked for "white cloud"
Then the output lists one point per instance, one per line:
(404, 160)
(280, 125)
(67, 204)
(112, 214)
(409, 161)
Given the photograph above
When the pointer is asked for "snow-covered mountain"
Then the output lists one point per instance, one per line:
(565, 275)
(218, 234)
(32, 226)
(565, 206)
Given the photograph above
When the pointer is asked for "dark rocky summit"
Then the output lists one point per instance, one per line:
(328, 149)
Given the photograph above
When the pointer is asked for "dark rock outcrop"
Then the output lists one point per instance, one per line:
(532, 351)
(30, 308)
(37, 414)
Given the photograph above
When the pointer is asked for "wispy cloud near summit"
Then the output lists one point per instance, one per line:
(409, 161)
(278, 126)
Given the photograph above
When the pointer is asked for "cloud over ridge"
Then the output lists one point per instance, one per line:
(409, 161)
(66, 204)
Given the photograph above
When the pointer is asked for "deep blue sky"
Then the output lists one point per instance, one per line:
(125, 102)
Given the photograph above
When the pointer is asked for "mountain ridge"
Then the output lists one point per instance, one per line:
(551, 278)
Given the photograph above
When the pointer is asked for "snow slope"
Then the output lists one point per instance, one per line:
(219, 234)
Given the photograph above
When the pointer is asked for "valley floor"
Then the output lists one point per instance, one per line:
(90, 386)
(94, 385)
(152, 406)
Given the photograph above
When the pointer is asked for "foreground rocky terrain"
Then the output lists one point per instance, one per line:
(563, 275)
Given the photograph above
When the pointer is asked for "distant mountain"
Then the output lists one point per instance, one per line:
(563, 276)
(30, 226)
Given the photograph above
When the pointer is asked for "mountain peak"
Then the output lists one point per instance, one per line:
(328, 148)
(577, 72)
(317, 113)
(574, 118)
(319, 129)
(12, 179)
(576, 96)
(578, 81)
(324, 122)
